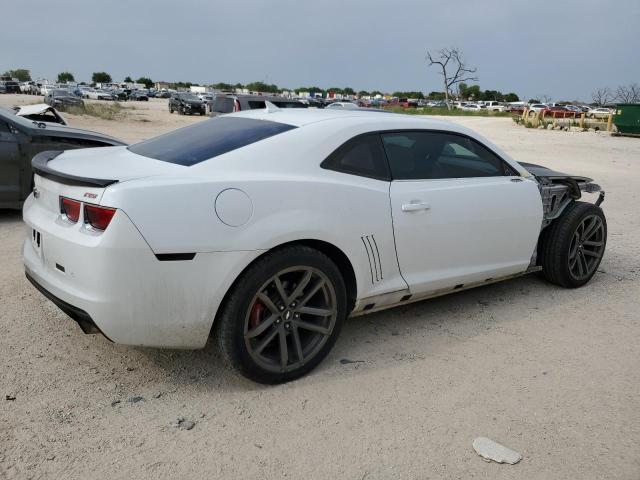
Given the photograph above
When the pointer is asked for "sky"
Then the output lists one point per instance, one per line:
(563, 49)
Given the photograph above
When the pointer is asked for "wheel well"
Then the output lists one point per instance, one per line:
(336, 255)
(343, 263)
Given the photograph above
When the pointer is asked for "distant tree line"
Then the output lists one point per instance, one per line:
(459, 89)
(473, 92)
(623, 94)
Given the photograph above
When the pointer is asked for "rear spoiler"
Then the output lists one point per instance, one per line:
(39, 164)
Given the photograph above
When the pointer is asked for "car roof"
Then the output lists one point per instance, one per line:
(306, 116)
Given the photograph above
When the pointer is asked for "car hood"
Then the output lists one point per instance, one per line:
(37, 109)
(543, 172)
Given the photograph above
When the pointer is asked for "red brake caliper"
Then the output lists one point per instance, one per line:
(256, 314)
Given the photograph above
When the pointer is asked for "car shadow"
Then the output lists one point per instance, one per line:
(375, 340)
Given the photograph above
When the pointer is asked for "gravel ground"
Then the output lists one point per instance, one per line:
(551, 373)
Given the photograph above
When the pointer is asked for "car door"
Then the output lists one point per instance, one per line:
(9, 164)
(460, 213)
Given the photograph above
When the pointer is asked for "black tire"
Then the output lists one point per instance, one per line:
(170, 110)
(568, 258)
(235, 322)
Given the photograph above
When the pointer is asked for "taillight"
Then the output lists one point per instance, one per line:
(236, 106)
(70, 209)
(98, 217)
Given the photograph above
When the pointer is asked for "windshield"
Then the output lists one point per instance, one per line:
(188, 96)
(61, 93)
(207, 139)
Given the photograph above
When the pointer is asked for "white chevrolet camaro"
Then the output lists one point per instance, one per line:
(266, 229)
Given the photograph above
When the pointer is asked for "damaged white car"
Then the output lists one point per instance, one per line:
(267, 229)
(40, 113)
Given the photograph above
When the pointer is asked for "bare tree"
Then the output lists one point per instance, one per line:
(628, 93)
(545, 99)
(453, 69)
(602, 96)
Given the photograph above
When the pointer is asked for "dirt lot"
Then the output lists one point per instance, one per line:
(551, 373)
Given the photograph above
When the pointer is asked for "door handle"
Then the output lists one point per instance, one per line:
(414, 206)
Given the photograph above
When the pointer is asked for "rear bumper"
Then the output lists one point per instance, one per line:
(115, 282)
(81, 317)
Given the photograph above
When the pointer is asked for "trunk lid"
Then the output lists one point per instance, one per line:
(84, 174)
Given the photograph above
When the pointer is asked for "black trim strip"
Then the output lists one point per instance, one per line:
(39, 166)
(82, 318)
(173, 257)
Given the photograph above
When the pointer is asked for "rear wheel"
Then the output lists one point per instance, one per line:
(283, 316)
(573, 245)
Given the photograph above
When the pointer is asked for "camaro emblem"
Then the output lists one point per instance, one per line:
(90, 195)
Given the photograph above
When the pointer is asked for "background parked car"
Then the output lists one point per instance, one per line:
(121, 94)
(515, 108)
(495, 106)
(11, 86)
(227, 103)
(537, 107)
(600, 112)
(101, 95)
(21, 139)
(343, 105)
(473, 107)
(139, 96)
(3, 89)
(186, 104)
(559, 111)
(46, 88)
(61, 98)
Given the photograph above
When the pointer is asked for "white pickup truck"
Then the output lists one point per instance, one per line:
(495, 106)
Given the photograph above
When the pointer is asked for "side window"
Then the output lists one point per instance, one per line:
(4, 128)
(434, 155)
(256, 104)
(362, 155)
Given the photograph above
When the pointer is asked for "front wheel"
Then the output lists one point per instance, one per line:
(283, 315)
(573, 245)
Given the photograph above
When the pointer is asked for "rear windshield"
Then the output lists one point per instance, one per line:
(207, 139)
(223, 104)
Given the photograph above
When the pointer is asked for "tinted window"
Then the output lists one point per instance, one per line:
(257, 104)
(223, 104)
(207, 139)
(362, 155)
(431, 155)
(286, 104)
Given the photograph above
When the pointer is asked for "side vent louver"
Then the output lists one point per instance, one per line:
(371, 247)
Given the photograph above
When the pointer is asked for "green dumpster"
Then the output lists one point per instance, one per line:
(627, 118)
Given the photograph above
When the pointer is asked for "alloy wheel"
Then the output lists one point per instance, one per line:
(586, 247)
(290, 318)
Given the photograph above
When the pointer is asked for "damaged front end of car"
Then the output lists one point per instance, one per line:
(558, 190)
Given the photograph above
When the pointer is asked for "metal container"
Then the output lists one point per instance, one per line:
(627, 118)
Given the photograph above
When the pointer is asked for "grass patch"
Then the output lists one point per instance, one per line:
(448, 113)
(105, 111)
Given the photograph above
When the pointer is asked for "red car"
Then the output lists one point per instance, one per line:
(559, 112)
